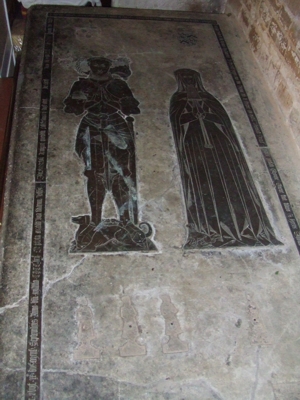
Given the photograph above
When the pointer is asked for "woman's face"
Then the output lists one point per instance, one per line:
(187, 78)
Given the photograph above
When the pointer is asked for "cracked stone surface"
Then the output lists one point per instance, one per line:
(168, 323)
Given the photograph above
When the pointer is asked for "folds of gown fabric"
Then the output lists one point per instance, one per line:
(223, 207)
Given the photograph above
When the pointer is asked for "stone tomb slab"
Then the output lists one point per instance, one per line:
(150, 246)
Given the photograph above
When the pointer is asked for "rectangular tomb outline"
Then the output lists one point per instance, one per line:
(34, 335)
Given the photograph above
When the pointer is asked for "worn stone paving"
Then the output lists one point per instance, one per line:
(101, 297)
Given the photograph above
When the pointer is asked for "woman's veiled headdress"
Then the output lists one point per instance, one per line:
(184, 75)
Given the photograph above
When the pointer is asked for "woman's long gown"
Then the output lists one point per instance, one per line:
(223, 207)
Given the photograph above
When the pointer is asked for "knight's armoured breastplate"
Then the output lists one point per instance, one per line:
(102, 109)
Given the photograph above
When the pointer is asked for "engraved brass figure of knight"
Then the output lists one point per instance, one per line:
(106, 144)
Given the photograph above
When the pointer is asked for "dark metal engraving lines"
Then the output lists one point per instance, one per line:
(106, 144)
(222, 204)
(34, 335)
(34, 338)
(282, 195)
(235, 76)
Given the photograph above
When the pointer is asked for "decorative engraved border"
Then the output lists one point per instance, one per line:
(240, 88)
(34, 338)
(273, 171)
(34, 335)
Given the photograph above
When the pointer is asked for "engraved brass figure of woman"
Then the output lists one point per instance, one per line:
(223, 207)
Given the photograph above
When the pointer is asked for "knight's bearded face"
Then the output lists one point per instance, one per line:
(99, 67)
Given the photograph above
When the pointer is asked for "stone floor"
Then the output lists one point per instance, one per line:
(117, 305)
